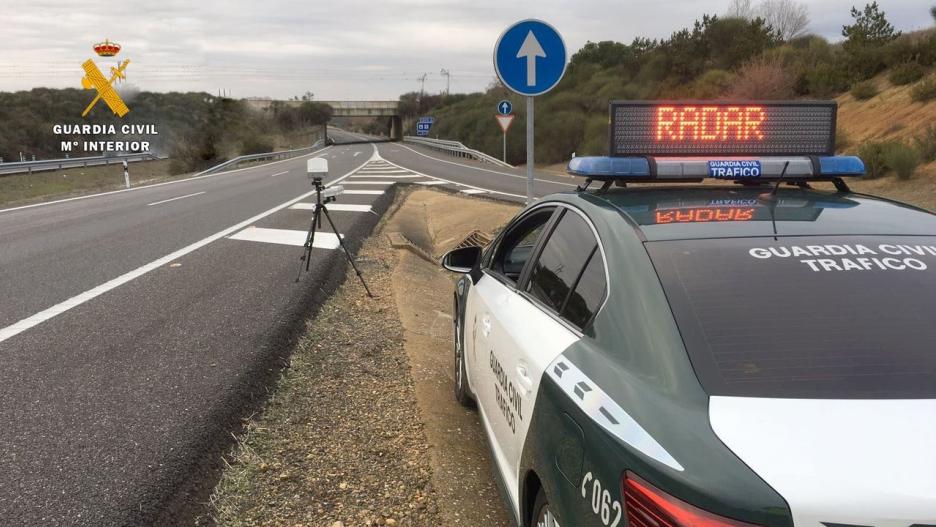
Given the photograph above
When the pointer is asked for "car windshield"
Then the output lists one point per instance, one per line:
(843, 317)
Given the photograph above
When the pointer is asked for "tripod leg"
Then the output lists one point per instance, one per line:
(348, 254)
(307, 246)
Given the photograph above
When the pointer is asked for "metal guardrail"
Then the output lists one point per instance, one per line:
(267, 156)
(24, 167)
(456, 149)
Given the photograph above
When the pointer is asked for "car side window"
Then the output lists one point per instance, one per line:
(519, 241)
(589, 292)
(568, 277)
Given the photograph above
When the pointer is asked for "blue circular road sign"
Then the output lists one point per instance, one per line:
(530, 57)
(504, 107)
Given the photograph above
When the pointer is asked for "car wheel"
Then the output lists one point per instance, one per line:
(542, 515)
(462, 392)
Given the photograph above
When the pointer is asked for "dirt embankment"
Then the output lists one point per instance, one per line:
(362, 429)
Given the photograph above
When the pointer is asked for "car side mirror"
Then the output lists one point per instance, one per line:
(462, 260)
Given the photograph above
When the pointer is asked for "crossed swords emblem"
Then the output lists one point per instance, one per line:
(94, 79)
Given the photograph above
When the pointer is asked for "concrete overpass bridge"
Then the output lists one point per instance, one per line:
(389, 109)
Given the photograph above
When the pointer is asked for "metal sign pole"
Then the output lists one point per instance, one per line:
(529, 147)
(504, 158)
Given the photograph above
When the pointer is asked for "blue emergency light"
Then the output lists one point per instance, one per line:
(651, 169)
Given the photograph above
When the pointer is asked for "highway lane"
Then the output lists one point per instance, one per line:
(113, 411)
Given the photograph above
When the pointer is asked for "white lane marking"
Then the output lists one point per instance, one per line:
(279, 173)
(367, 183)
(173, 199)
(337, 207)
(365, 192)
(408, 175)
(193, 178)
(463, 184)
(380, 170)
(40, 317)
(357, 154)
(486, 169)
(430, 183)
(323, 240)
(474, 191)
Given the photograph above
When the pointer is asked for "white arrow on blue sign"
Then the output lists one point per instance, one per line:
(504, 107)
(530, 57)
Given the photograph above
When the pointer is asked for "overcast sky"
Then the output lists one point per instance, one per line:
(337, 49)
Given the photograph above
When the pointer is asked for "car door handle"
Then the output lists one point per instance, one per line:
(524, 380)
(486, 326)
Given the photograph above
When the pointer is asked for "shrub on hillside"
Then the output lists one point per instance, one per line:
(906, 73)
(872, 154)
(712, 84)
(926, 144)
(763, 79)
(842, 140)
(826, 80)
(864, 90)
(925, 90)
(902, 159)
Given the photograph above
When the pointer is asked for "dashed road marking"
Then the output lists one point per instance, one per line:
(173, 199)
(335, 207)
(323, 240)
(279, 173)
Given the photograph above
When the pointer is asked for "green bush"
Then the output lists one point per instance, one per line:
(902, 159)
(826, 80)
(712, 84)
(906, 73)
(925, 90)
(864, 90)
(926, 144)
(873, 156)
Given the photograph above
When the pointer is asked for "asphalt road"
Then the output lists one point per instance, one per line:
(138, 327)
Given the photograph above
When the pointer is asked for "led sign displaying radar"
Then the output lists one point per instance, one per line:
(706, 128)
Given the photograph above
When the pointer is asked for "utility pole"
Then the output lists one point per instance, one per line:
(422, 84)
(448, 80)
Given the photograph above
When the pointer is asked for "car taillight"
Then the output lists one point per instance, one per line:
(648, 506)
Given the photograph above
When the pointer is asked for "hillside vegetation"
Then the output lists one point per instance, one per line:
(884, 81)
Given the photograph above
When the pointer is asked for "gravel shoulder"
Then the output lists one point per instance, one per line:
(362, 428)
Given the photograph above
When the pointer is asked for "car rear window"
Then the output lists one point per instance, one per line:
(807, 317)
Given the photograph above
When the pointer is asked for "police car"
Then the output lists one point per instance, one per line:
(760, 352)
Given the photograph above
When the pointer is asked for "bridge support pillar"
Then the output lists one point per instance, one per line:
(325, 134)
(396, 128)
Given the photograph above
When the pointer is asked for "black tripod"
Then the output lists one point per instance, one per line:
(317, 224)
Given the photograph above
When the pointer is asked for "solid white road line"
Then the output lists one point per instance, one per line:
(337, 207)
(40, 317)
(349, 182)
(279, 173)
(365, 192)
(173, 199)
(474, 191)
(193, 178)
(323, 240)
(429, 183)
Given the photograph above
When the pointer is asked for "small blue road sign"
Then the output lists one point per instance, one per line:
(504, 107)
(530, 57)
(424, 125)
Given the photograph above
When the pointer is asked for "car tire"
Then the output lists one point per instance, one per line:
(462, 392)
(542, 514)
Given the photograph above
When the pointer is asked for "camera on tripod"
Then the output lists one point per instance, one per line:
(317, 169)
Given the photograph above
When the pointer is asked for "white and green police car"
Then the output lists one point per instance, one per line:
(758, 352)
